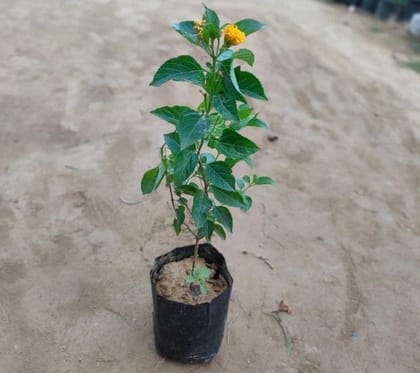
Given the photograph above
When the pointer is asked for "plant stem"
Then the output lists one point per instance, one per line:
(213, 54)
(197, 241)
(201, 168)
(213, 70)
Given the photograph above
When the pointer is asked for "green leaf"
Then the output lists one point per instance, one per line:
(264, 180)
(184, 164)
(228, 84)
(183, 201)
(226, 55)
(177, 226)
(180, 214)
(182, 68)
(249, 26)
(201, 273)
(220, 231)
(231, 162)
(246, 202)
(223, 216)
(203, 289)
(151, 179)
(192, 126)
(201, 206)
(244, 111)
(220, 175)
(233, 199)
(171, 114)
(190, 189)
(245, 55)
(186, 29)
(245, 116)
(211, 17)
(257, 122)
(249, 84)
(240, 183)
(206, 230)
(234, 145)
(172, 142)
(226, 107)
(248, 161)
(189, 279)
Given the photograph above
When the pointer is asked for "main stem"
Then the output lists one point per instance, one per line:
(213, 56)
(197, 243)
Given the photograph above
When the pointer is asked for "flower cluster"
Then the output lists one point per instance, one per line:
(199, 26)
(233, 35)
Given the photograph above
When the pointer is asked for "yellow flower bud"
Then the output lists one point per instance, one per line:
(233, 35)
(198, 25)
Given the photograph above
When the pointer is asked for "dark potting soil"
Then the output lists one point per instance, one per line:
(171, 282)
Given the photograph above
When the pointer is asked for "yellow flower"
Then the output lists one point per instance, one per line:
(233, 35)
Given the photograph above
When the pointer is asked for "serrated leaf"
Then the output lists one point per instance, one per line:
(234, 145)
(264, 180)
(223, 216)
(249, 84)
(245, 55)
(171, 114)
(233, 199)
(220, 231)
(182, 68)
(184, 164)
(220, 175)
(152, 179)
(249, 26)
(226, 107)
(192, 126)
(217, 127)
(172, 142)
(201, 206)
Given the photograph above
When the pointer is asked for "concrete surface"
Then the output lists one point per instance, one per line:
(341, 227)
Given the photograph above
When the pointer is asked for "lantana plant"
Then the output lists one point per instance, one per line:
(198, 156)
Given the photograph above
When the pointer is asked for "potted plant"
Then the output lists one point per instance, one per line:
(191, 285)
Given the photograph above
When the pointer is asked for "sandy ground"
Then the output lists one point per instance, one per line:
(341, 227)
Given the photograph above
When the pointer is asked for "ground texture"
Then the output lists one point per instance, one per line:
(341, 228)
